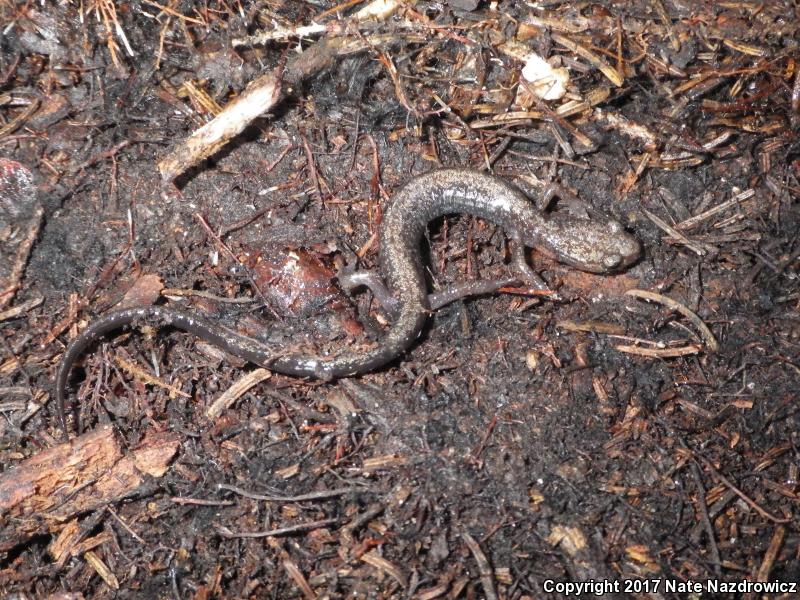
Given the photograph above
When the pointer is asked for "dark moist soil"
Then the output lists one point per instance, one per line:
(514, 444)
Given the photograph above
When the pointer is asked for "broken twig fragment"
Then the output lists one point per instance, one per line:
(610, 72)
(258, 98)
(711, 343)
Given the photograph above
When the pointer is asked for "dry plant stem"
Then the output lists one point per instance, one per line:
(378, 10)
(110, 153)
(625, 126)
(377, 561)
(125, 525)
(591, 327)
(704, 518)
(201, 501)
(311, 165)
(660, 352)
(335, 9)
(297, 576)
(705, 332)
(735, 201)
(145, 377)
(750, 502)
(223, 248)
(236, 391)
(102, 570)
(17, 121)
(484, 568)
(180, 292)
(227, 533)
(674, 233)
(610, 72)
(175, 13)
(775, 545)
(320, 495)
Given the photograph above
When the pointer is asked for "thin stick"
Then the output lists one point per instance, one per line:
(227, 533)
(750, 502)
(705, 332)
(320, 495)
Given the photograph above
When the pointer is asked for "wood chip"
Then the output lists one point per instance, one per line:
(102, 570)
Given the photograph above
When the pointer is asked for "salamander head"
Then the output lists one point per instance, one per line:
(590, 245)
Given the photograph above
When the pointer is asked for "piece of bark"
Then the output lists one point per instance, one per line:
(81, 475)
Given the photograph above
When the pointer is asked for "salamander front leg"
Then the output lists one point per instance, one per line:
(575, 206)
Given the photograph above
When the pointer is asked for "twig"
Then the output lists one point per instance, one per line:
(175, 13)
(479, 449)
(610, 72)
(701, 502)
(705, 332)
(140, 373)
(667, 228)
(740, 493)
(297, 575)
(735, 201)
(377, 10)
(17, 121)
(374, 559)
(320, 495)
(484, 568)
(661, 352)
(772, 552)
(171, 292)
(102, 156)
(259, 97)
(236, 391)
(20, 309)
(312, 167)
(201, 501)
(227, 533)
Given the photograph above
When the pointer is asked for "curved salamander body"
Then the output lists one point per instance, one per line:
(590, 245)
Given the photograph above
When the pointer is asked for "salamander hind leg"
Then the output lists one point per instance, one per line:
(374, 283)
(522, 269)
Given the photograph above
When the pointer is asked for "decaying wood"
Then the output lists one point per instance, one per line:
(81, 475)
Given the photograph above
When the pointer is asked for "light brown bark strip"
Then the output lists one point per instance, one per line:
(81, 475)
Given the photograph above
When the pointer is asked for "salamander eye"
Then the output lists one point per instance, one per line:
(614, 226)
(612, 260)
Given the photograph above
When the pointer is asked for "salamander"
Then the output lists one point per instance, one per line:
(590, 244)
